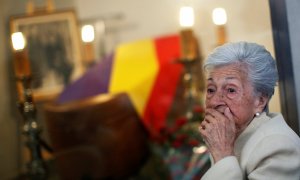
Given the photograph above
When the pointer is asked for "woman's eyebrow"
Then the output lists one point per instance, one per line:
(229, 78)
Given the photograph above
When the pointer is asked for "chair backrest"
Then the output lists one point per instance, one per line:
(99, 138)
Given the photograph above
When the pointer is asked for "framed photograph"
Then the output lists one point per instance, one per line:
(54, 50)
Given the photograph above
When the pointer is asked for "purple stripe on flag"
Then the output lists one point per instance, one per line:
(95, 81)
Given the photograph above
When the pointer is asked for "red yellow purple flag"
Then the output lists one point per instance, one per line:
(145, 69)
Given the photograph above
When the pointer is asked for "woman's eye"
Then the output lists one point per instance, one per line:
(231, 90)
(210, 90)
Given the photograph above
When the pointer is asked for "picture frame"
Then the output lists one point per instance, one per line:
(53, 46)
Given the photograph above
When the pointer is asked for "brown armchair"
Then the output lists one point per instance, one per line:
(97, 138)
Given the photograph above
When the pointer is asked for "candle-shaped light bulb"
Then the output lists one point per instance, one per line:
(21, 61)
(18, 41)
(219, 16)
(87, 33)
(186, 16)
(188, 41)
(88, 36)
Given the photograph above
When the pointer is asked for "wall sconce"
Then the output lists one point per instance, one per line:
(189, 57)
(31, 129)
(88, 36)
(219, 17)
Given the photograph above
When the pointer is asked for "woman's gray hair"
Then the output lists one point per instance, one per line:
(262, 71)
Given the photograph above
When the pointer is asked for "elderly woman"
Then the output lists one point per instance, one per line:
(245, 141)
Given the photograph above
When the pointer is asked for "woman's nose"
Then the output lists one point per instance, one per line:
(216, 100)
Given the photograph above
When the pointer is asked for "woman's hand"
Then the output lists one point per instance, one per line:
(219, 133)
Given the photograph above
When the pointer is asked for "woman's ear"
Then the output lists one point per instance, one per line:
(261, 103)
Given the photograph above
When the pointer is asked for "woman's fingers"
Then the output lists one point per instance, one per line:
(228, 114)
(207, 121)
(216, 122)
(217, 116)
(218, 132)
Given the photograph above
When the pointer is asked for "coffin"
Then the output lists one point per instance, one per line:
(97, 138)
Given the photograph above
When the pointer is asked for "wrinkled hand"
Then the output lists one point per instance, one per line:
(219, 133)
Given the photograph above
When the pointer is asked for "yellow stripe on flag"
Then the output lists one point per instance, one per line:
(134, 71)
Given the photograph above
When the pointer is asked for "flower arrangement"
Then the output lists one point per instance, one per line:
(178, 144)
(182, 131)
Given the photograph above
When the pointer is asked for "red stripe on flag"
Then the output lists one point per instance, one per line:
(163, 91)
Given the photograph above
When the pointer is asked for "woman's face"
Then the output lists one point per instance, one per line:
(228, 86)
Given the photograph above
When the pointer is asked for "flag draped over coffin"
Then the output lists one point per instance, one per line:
(144, 69)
